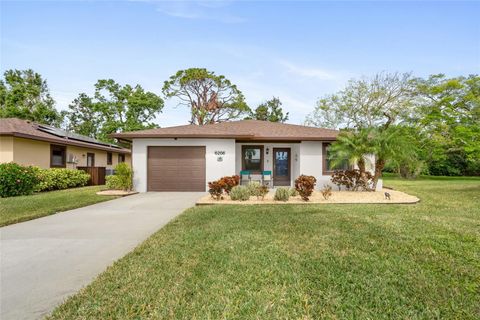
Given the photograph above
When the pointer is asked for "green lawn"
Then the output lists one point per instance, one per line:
(18, 209)
(417, 261)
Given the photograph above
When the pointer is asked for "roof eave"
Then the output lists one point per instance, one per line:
(179, 136)
(214, 136)
(65, 142)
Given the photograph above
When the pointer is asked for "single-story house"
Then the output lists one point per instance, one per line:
(186, 158)
(30, 143)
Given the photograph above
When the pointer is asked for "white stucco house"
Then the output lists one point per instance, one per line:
(186, 158)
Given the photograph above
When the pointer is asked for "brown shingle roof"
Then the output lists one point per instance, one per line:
(31, 130)
(242, 130)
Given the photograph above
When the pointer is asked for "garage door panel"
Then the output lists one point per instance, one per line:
(176, 169)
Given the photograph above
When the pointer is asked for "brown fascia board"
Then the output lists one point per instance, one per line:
(293, 139)
(214, 136)
(180, 136)
(65, 142)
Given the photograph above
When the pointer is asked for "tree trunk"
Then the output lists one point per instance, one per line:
(361, 167)
(379, 165)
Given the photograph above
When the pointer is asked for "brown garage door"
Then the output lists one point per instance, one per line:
(176, 169)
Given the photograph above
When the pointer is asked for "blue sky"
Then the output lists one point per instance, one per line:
(298, 51)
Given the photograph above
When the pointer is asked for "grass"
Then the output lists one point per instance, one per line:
(417, 261)
(23, 208)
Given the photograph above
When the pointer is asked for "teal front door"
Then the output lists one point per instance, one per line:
(281, 166)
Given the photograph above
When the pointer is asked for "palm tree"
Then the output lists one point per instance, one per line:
(353, 146)
(390, 144)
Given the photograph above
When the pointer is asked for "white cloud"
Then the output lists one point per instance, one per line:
(307, 72)
(201, 10)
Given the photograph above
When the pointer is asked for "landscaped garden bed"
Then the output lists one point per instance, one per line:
(317, 197)
(353, 187)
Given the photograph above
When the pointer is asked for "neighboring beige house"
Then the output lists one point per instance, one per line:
(29, 143)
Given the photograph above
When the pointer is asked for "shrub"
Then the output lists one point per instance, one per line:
(224, 184)
(282, 194)
(253, 187)
(257, 189)
(240, 193)
(215, 188)
(326, 191)
(229, 182)
(17, 180)
(293, 192)
(125, 176)
(113, 183)
(59, 179)
(352, 180)
(305, 185)
(262, 192)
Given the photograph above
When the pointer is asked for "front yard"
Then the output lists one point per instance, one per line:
(23, 208)
(319, 261)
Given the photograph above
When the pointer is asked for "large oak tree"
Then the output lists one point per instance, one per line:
(24, 94)
(211, 98)
(113, 108)
(270, 110)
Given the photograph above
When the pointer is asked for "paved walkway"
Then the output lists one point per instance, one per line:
(43, 261)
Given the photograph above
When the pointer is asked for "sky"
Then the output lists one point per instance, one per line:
(297, 51)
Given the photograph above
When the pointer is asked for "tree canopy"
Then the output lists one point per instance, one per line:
(366, 103)
(113, 108)
(211, 98)
(270, 110)
(448, 119)
(418, 125)
(24, 94)
(368, 109)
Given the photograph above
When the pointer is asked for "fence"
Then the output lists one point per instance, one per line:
(97, 175)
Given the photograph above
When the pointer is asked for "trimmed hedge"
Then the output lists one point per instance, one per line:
(59, 179)
(17, 180)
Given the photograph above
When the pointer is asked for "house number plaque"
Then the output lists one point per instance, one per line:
(219, 155)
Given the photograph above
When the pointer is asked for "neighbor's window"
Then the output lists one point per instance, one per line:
(121, 158)
(109, 158)
(57, 156)
(331, 163)
(90, 159)
(252, 158)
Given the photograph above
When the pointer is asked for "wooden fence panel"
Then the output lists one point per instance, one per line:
(97, 175)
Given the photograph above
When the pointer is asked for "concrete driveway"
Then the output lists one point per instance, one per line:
(43, 261)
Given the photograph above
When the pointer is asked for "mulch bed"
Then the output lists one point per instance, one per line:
(396, 197)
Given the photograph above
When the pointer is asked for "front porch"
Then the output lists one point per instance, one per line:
(274, 163)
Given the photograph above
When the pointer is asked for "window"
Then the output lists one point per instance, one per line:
(329, 159)
(121, 158)
(90, 159)
(252, 158)
(57, 156)
(109, 158)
